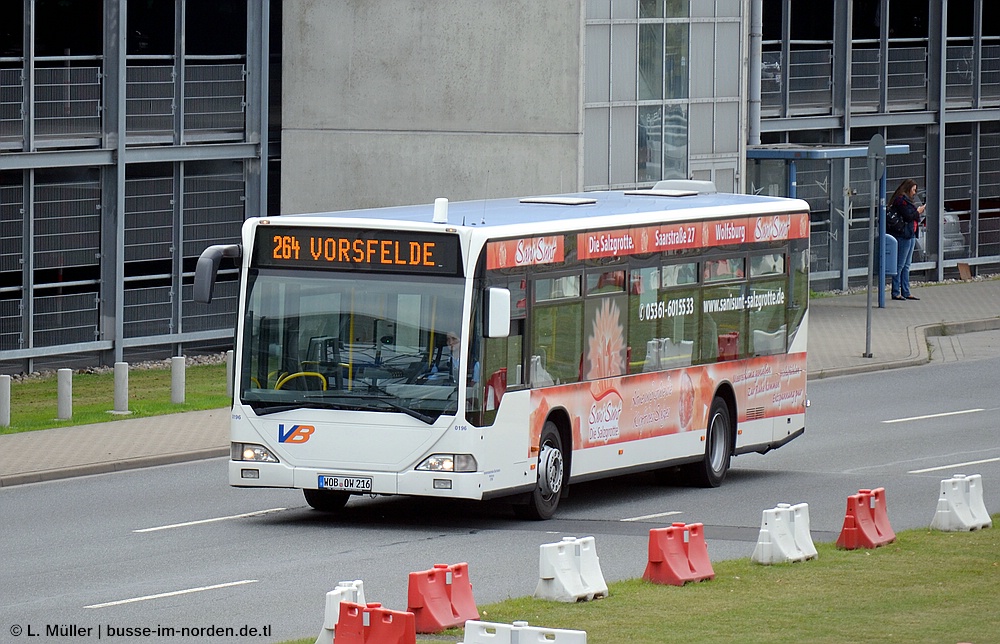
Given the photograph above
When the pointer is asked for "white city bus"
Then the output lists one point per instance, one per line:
(513, 347)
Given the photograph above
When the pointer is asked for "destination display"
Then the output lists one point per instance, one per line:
(357, 249)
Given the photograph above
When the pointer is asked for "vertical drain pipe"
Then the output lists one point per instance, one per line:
(753, 82)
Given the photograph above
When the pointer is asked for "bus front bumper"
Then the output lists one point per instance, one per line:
(464, 485)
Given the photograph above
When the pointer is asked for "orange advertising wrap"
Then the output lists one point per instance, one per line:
(628, 408)
(524, 252)
(666, 237)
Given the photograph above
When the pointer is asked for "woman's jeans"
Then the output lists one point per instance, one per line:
(901, 280)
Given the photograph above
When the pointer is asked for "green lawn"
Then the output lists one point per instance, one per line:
(926, 587)
(34, 401)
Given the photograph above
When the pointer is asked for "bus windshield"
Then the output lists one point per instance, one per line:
(351, 341)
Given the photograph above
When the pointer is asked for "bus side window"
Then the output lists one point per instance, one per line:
(556, 347)
(798, 290)
(642, 326)
(503, 357)
(724, 318)
(767, 304)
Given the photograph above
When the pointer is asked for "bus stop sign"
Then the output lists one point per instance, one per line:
(876, 157)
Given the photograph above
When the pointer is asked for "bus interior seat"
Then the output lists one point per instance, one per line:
(768, 343)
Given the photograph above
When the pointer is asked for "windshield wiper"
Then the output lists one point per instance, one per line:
(406, 410)
(264, 408)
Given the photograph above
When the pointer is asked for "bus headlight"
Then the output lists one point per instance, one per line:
(251, 452)
(449, 463)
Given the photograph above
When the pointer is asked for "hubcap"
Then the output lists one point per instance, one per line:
(717, 448)
(550, 470)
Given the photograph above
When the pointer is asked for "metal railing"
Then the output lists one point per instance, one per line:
(68, 99)
(214, 97)
(67, 210)
(907, 76)
(11, 105)
(149, 99)
(866, 78)
(65, 318)
(810, 89)
(990, 74)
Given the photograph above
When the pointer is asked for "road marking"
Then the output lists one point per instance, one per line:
(652, 516)
(172, 594)
(951, 467)
(216, 519)
(949, 413)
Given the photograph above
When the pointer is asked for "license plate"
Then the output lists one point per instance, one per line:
(346, 483)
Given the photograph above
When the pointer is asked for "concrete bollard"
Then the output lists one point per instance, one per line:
(229, 373)
(4, 400)
(121, 388)
(64, 390)
(177, 380)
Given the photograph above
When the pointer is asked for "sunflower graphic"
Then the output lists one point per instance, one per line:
(606, 344)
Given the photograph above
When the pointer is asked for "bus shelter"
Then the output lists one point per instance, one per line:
(835, 181)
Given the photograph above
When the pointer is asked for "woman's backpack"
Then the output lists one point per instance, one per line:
(894, 224)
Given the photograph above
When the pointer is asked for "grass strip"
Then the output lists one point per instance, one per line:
(928, 586)
(35, 405)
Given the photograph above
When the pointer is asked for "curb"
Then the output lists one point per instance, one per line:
(919, 341)
(112, 466)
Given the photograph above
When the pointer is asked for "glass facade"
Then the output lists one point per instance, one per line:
(637, 57)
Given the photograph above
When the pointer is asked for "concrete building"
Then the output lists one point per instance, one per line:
(133, 133)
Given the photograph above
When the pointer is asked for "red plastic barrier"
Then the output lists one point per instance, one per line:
(391, 627)
(372, 624)
(881, 516)
(677, 555)
(866, 523)
(350, 625)
(441, 598)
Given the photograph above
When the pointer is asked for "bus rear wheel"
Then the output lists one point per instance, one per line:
(712, 469)
(544, 499)
(326, 500)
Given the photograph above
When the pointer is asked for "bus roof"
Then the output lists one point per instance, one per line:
(667, 205)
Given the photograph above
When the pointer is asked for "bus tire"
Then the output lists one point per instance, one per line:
(544, 499)
(712, 469)
(326, 500)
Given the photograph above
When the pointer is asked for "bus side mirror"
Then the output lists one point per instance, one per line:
(208, 267)
(497, 312)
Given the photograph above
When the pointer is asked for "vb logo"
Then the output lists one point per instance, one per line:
(295, 433)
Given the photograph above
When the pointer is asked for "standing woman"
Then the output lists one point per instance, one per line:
(903, 202)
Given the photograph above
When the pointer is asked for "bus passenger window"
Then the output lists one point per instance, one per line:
(770, 264)
(557, 288)
(723, 323)
(605, 282)
(678, 274)
(556, 343)
(718, 270)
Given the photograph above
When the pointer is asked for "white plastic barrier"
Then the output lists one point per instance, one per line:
(784, 535)
(519, 633)
(346, 591)
(960, 506)
(570, 571)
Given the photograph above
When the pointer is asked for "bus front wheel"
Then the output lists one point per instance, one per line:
(712, 469)
(544, 499)
(326, 500)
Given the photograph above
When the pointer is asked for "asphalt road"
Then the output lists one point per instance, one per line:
(167, 547)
